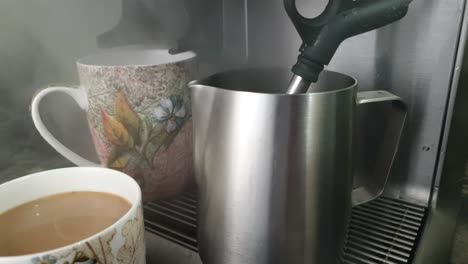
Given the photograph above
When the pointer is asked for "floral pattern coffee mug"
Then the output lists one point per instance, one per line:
(120, 243)
(138, 109)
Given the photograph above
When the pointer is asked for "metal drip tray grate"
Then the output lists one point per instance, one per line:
(384, 231)
(175, 220)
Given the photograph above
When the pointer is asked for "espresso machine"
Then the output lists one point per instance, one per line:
(420, 58)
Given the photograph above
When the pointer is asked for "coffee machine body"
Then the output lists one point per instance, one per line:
(420, 59)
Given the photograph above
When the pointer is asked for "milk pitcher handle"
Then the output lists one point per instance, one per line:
(388, 151)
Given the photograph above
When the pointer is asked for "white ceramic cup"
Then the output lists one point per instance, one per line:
(138, 109)
(122, 242)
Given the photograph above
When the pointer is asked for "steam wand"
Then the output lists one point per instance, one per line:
(340, 20)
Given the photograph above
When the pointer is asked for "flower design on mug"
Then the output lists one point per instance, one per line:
(170, 111)
(136, 135)
(47, 259)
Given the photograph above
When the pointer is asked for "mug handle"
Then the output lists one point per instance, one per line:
(81, 99)
(389, 149)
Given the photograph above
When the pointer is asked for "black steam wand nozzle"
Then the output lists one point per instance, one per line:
(323, 34)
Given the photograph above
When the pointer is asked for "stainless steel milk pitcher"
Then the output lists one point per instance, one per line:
(274, 171)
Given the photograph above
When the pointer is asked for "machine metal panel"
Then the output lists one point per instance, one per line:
(437, 237)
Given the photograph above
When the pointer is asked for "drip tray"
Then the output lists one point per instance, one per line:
(174, 220)
(384, 231)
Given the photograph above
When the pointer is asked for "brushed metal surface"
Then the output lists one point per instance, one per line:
(274, 171)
